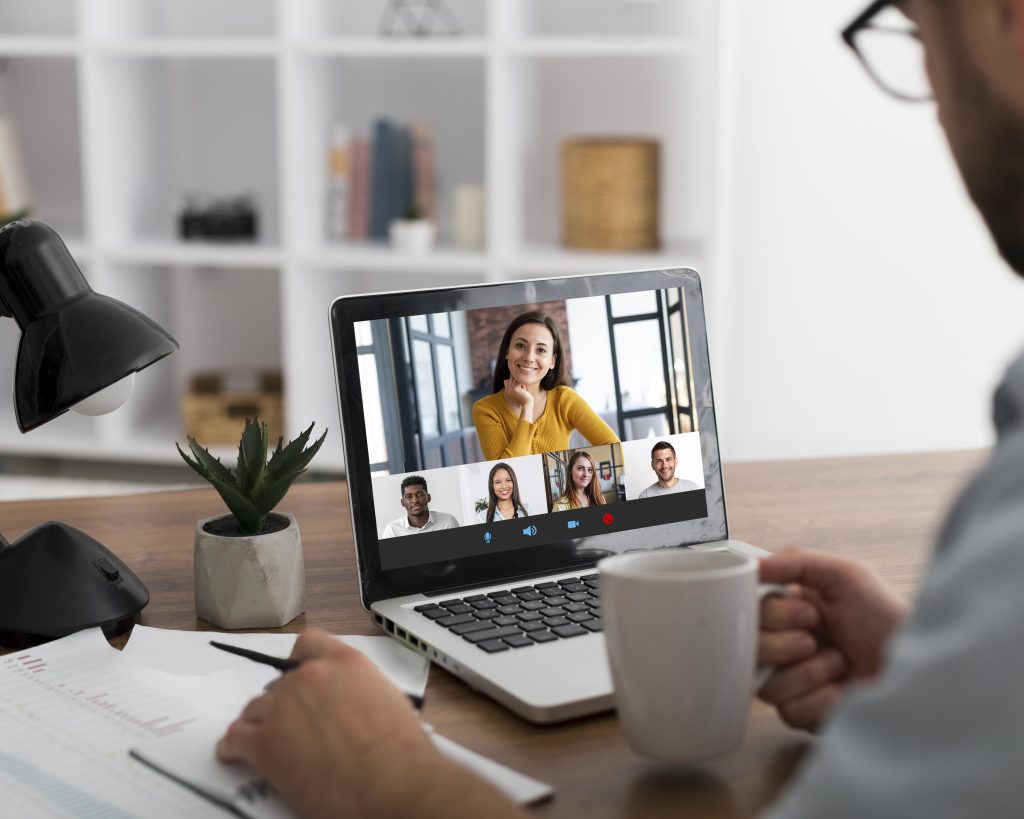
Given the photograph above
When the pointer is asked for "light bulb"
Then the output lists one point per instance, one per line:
(108, 399)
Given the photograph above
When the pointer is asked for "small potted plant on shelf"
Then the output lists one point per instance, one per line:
(249, 571)
(415, 233)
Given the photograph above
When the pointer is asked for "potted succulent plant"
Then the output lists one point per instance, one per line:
(249, 571)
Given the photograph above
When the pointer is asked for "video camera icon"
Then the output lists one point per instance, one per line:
(572, 524)
(530, 531)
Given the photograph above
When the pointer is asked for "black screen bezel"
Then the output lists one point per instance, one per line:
(570, 554)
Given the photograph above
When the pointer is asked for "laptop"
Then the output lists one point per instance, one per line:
(477, 532)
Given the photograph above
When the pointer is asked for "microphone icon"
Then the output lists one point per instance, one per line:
(487, 537)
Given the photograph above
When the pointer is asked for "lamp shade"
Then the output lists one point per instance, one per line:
(74, 341)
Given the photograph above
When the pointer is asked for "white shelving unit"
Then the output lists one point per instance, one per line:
(124, 107)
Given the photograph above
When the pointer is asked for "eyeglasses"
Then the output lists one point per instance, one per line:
(891, 51)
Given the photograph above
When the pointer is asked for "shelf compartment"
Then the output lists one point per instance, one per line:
(164, 129)
(38, 18)
(310, 19)
(180, 19)
(223, 319)
(52, 165)
(446, 93)
(547, 116)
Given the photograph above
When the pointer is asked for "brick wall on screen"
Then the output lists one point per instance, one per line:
(486, 327)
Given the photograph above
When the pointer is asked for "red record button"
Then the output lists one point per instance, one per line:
(607, 518)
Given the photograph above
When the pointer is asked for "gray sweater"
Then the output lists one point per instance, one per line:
(941, 732)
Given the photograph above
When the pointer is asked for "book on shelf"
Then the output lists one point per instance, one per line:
(382, 179)
(358, 205)
(424, 171)
(339, 182)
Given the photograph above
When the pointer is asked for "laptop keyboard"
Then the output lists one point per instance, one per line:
(523, 616)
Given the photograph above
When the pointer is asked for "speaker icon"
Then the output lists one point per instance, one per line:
(530, 531)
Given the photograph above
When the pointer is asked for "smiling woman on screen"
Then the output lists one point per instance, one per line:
(532, 409)
(584, 488)
(503, 501)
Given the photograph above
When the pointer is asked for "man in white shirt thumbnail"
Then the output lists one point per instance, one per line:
(418, 517)
(663, 462)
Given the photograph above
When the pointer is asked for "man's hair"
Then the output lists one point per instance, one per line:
(662, 445)
(414, 480)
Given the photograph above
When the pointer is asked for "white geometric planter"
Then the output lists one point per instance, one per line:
(256, 581)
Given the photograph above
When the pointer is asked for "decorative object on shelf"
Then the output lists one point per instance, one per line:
(217, 403)
(339, 172)
(470, 217)
(610, 194)
(412, 234)
(15, 196)
(221, 220)
(419, 18)
(76, 346)
(249, 571)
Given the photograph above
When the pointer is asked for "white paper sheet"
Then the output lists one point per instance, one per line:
(189, 653)
(69, 712)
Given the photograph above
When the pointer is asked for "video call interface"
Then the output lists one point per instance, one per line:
(512, 427)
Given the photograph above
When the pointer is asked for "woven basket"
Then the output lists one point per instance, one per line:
(610, 193)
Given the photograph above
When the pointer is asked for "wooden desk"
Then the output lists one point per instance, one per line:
(882, 509)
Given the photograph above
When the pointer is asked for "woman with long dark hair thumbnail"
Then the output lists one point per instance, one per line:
(532, 409)
(582, 486)
(503, 501)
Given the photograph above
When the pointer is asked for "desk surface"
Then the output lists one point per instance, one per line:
(883, 509)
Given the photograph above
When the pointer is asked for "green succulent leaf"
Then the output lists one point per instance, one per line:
(292, 456)
(205, 464)
(252, 455)
(257, 485)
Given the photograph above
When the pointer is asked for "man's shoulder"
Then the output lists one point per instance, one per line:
(445, 519)
(653, 489)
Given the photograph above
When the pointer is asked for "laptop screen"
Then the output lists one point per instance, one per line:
(513, 429)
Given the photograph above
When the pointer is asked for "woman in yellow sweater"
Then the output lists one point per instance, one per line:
(532, 408)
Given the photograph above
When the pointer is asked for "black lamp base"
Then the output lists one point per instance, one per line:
(56, 580)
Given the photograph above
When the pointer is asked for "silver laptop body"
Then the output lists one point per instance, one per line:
(383, 339)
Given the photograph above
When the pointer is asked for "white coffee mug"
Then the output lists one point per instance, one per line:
(681, 629)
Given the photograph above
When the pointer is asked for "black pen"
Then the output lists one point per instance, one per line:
(284, 664)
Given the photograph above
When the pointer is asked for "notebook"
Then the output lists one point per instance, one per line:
(502, 438)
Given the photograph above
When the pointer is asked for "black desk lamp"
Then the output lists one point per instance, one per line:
(78, 350)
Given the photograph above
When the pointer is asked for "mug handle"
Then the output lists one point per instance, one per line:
(762, 673)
